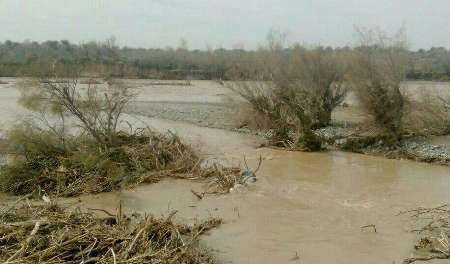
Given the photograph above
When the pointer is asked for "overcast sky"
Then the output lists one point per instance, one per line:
(221, 23)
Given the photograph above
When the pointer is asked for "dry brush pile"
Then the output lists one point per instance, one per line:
(94, 155)
(433, 226)
(49, 234)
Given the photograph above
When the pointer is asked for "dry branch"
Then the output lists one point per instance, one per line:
(434, 227)
(78, 237)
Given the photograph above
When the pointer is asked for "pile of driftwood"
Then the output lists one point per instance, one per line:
(50, 234)
(434, 229)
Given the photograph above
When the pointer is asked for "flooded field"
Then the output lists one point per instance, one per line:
(305, 207)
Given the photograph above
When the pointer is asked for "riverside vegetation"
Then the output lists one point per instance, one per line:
(297, 93)
(92, 154)
(79, 142)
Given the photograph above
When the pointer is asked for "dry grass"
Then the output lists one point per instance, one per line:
(221, 179)
(78, 166)
(434, 229)
(260, 108)
(49, 234)
(426, 115)
(244, 114)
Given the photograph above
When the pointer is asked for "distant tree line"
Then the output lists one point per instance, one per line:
(31, 58)
(432, 64)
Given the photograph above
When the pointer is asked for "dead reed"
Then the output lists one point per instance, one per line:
(434, 229)
(49, 234)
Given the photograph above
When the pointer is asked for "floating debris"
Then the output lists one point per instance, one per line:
(434, 228)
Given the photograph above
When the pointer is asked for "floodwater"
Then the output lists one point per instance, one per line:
(310, 204)
(305, 207)
(10, 110)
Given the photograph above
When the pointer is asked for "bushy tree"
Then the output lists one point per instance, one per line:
(379, 68)
(297, 91)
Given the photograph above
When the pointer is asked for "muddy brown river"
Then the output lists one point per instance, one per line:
(305, 207)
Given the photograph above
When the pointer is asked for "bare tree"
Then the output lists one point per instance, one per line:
(379, 68)
(298, 90)
(98, 109)
(320, 82)
(261, 97)
(292, 96)
(426, 114)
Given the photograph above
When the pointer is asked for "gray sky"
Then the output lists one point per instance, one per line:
(221, 23)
